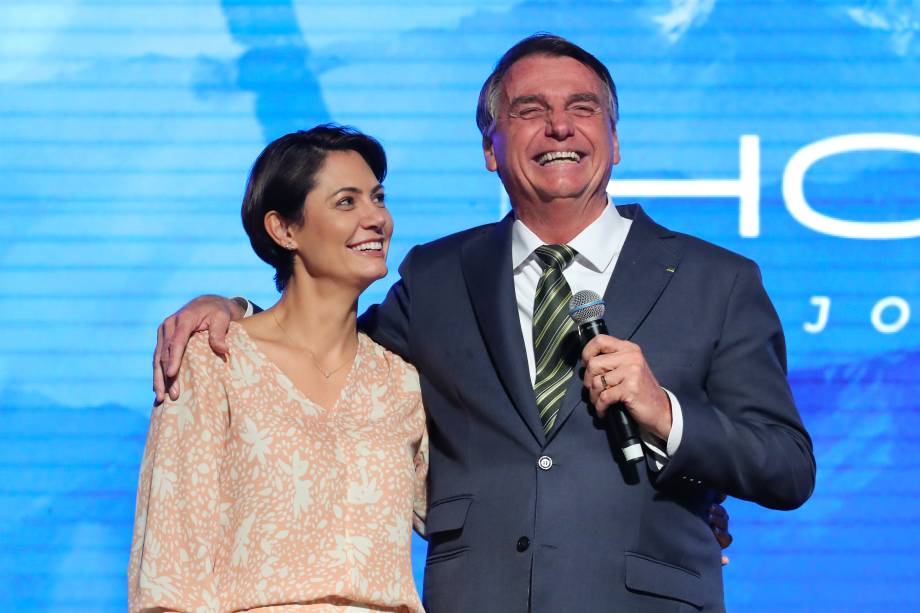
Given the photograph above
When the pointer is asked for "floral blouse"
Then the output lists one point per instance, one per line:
(253, 497)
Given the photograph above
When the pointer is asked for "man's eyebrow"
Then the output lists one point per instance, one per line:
(528, 100)
(584, 97)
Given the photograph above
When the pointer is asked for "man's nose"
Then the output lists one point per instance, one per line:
(559, 124)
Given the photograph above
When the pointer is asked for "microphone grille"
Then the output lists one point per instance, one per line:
(586, 306)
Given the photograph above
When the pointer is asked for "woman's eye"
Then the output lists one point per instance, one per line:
(345, 202)
(379, 199)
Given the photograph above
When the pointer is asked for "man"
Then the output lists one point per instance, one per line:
(531, 505)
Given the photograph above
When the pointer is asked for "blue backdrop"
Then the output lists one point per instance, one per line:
(127, 130)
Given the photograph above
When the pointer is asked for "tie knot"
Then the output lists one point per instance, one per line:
(558, 256)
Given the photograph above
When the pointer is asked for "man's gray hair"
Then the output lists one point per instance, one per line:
(541, 43)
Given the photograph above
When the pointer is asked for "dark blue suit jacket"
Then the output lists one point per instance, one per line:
(590, 533)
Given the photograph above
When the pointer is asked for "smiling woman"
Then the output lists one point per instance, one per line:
(308, 174)
(291, 471)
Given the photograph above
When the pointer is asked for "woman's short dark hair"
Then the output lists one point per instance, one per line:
(541, 43)
(283, 175)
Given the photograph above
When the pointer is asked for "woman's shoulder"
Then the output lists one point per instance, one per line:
(375, 349)
(390, 365)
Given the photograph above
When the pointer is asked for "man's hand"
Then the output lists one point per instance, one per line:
(212, 313)
(718, 521)
(616, 371)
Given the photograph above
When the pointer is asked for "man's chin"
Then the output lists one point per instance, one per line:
(563, 193)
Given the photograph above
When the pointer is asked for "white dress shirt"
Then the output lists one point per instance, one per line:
(598, 246)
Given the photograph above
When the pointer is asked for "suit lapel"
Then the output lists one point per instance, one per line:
(486, 262)
(643, 269)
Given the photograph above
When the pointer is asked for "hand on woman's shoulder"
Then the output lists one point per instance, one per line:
(199, 355)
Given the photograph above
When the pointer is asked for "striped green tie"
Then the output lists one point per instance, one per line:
(551, 328)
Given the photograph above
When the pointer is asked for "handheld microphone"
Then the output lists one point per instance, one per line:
(586, 308)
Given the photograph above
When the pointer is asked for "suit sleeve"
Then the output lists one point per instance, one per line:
(177, 517)
(744, 436)
(420, 500)
(388, 322)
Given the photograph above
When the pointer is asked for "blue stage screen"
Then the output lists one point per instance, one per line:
(786, 131)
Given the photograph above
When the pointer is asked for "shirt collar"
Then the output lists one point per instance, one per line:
(596, 245)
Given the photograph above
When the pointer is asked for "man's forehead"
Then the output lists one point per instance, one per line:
(546, 75)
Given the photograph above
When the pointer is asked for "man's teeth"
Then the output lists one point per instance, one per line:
(371, 246)
(558, 156)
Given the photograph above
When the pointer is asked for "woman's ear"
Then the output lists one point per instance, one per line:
(280, 231)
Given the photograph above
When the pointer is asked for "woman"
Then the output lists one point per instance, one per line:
(288, 476)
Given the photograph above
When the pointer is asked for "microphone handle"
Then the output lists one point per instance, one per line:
(618, 418)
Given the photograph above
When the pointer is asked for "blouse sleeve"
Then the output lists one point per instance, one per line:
(177, 518)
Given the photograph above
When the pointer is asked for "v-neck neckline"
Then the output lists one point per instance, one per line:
(302, 396)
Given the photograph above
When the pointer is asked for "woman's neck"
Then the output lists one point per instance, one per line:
(320, 317)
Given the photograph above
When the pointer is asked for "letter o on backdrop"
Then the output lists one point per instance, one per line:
(804, 158)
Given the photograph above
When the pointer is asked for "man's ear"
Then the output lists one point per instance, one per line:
(616, 146)
(488, 152)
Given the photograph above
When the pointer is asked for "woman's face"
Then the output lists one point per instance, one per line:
(347, 228)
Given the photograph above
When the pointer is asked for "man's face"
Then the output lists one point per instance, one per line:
(553, 138)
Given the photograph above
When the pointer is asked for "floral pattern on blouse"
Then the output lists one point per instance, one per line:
(252, 497)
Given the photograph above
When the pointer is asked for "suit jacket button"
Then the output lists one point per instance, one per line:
(545, 462)
(523, 543)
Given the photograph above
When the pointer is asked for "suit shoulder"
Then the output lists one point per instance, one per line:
(689, 247)
(454, 242)
(714, 256)
(442, 256)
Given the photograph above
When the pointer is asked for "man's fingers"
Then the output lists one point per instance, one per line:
(218, 326)
(159, 384)
(628, 354)
(605, 398)
(603, 343)
(167, 328)
(607, 380)
(611, 395)
(600, 382)
(169, 324)
(202, 313)
(724, 560)
(176, 344)
(718, 521)
(718, 516)
(604, 363)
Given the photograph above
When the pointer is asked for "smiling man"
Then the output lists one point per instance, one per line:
(548, 130)
(531, 505)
